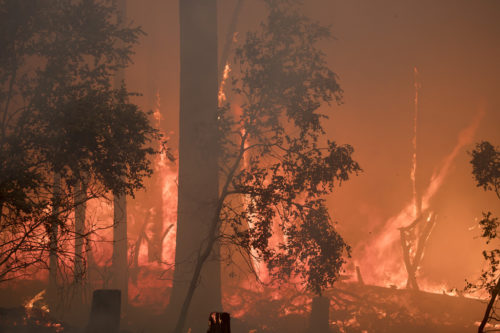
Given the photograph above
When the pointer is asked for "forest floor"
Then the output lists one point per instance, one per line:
(355, 308)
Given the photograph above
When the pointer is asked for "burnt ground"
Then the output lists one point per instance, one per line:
(355, 308)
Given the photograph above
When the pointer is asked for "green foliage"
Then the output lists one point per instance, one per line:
(276, 156)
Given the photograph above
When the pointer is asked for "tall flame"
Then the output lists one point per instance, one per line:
(381, 258)
(154, 279)
(225, 76)
(37, 298)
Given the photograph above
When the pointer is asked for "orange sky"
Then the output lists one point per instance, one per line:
(455, 46)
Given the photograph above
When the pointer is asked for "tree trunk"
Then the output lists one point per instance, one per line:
(91, 269)
(320, 315)
(80, 210)
(417, 184)
(119, 260)
(155, 187)
(198, 168)
(487, 313)
(155, 243)
(53, 236)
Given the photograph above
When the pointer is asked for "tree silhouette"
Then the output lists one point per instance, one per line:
(276, 163)
(486, 171)
(66, 135)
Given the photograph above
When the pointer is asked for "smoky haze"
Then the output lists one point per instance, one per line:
(392, 57)
(376, 46)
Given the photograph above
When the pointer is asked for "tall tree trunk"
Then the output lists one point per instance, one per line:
(53, 240)
(119, 260)
(417, 183)
(80, 210)
(89, 282)
(198, 168)
(155, 188)
(1, 212)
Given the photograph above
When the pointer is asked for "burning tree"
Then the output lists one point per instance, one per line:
(276, 164)
(486, 171)
(66, 134)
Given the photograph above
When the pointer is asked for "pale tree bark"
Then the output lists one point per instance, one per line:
(198, 168)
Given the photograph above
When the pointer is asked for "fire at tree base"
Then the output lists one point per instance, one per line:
(353, 308)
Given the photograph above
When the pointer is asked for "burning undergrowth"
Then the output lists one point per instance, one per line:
(34, 316)
(355, 308)
(359, 308)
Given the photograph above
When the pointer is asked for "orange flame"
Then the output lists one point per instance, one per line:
(381, 258)
(37, 298)
(225, 76)
(154, 279)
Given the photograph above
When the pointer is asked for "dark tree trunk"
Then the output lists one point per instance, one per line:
(320, 315)
(90, 279)
(491, 303)
(80, 210)
(120, 248)
(119, 260)
(155, 187)
(198, 169)
(105, 312)
(53, 240)
(155, 243)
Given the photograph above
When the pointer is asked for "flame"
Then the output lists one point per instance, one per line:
(154, 279)
(381, 258)
(151, 288)
(37, 314)
(37, 298)
(225, 76)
